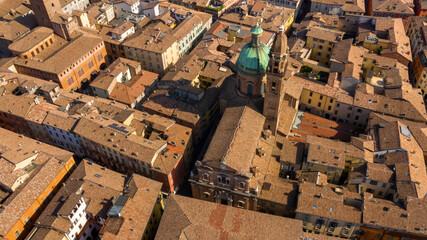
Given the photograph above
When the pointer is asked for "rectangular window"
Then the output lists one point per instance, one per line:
(100, 57)
(309, 101)
(70, 81)
(373, 182)
(319, 104)
(90, 64)
(80, 72)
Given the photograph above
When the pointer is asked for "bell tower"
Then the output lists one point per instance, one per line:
(276, 71)
(44, 11)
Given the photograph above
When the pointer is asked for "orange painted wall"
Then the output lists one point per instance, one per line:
(45, 42)
(33, 212)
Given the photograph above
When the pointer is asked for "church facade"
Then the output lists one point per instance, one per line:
(239, 155)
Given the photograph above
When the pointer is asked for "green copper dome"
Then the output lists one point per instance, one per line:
(257, 30)
(253, 59)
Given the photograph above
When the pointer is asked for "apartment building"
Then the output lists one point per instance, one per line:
(292, 4)
(329, 210)
(334, 7)
(59, 126)
(166, 146)
(386, 37)
(68, 6)
(391, 8)
(158, 47)
(405, 156)
(123, 148)
(14, 110)
(374, 178)
(335, 104)
(197, 80)
(330, 157)
(66, 63)
(81, 206)
(278, 196)
(132, 6)
(96, 15)
(321, 41)
(383, 219)
(416, 33)
(32, 172)
(125, 82)
(269, 16)
(191, 4)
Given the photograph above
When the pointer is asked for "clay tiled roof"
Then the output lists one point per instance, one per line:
(129, 92)
(136, 147)
(235, 141)
(137, 210)
(36, 36)
(272, 18)
(328, 202)
(292, 152)
(330, 2)
(68, 54)
(145, 38)
(19, 202)
(383, 213)
(195, 219)
(122, 28)
(325, 34)
(12, 30)
(331, 152)
(278, 190)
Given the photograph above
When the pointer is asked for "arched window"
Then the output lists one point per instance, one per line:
(262, 88)
(250, 89)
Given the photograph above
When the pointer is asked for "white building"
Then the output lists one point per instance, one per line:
(188, 36)
(72, 5)
(132, 6)
(59, 129)
(151, 10)
(122, 31)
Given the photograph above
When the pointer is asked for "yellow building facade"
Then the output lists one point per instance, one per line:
(317, 100)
